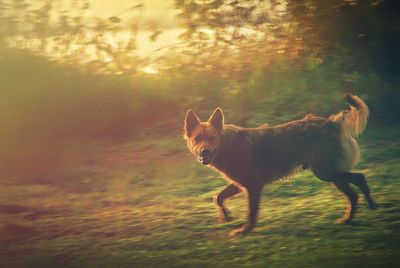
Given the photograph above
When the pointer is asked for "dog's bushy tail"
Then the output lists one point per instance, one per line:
(353, 121)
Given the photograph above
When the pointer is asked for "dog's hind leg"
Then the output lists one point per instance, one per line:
(342, 181)
(219, 199)
(352, 197)
(359, 180)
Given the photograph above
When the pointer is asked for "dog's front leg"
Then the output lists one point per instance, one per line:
(254, 193)
(219, 199)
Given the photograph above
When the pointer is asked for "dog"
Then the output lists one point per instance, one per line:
(252, 157)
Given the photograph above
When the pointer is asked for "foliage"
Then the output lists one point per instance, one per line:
(68, 33)
(277, 54)
(366, 32)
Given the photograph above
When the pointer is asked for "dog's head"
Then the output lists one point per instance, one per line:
(203, 138)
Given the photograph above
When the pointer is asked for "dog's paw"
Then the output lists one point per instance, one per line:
(224, 219)
(244, 229)
(343, 221)
(224, 216)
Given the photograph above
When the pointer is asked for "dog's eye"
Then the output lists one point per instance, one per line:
(212, 139)
(197, 139)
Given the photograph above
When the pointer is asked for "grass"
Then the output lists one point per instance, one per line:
(147, 203)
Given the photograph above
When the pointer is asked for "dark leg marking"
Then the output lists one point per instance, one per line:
(352, 197)
(359, 180)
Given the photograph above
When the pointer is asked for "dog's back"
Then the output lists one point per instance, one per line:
(281, 150)
(271, 153)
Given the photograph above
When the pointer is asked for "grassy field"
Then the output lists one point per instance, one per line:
(147, 203)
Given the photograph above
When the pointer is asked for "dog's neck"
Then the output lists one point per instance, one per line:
(225, 153)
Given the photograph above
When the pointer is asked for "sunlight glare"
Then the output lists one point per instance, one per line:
(150, 70)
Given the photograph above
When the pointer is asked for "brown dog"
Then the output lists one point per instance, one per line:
(251, 157)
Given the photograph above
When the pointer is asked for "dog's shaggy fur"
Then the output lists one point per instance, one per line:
(251, 157)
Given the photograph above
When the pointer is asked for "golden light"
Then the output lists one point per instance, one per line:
(150, 69)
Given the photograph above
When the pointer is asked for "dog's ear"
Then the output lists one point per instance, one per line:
(217, 119)
(191, 121)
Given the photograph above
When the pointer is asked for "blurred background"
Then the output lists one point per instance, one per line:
(93, 167)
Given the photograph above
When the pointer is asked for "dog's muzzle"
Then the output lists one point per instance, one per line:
(205, 156)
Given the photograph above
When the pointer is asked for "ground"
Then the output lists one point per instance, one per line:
(146, 202)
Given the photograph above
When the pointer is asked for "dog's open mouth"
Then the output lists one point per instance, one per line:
(204, 161)
(205, 157)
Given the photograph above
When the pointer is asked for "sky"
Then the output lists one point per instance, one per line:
(157, 14)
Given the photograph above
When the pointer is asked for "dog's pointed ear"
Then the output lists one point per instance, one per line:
(217, 119)
(191, 121)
